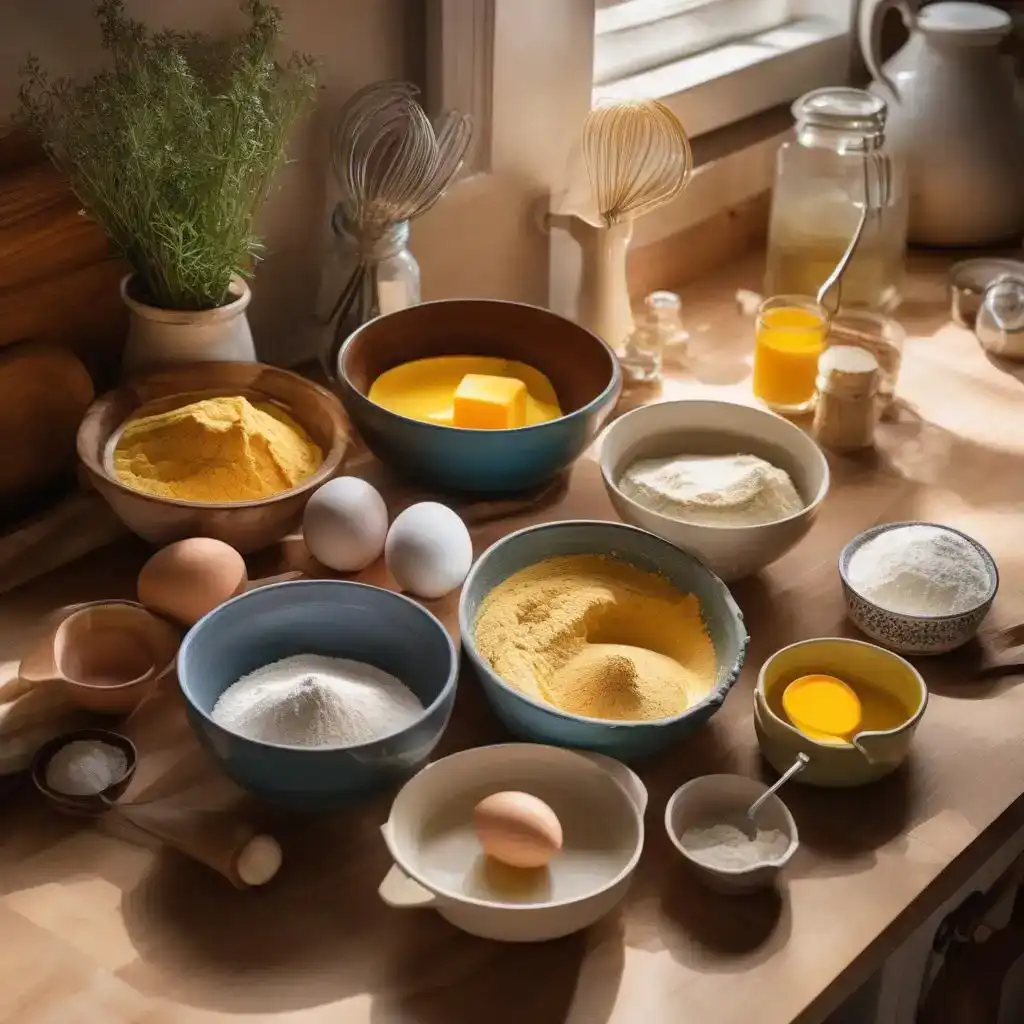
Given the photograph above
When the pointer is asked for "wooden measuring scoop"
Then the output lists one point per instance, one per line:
(105, 655)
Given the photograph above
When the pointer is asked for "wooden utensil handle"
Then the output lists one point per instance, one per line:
(233, 848)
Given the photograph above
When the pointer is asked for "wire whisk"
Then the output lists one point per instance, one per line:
(393, 164)
(637, 156)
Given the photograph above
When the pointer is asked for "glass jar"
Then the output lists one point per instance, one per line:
(368, 271)
(818, 196)
(658, 332)
(791, 333)
(882, 336)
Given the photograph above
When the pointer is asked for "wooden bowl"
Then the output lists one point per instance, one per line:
(245, 525)
(107, 656)
(90, 805)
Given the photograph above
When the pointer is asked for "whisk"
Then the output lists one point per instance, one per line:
(638, 158)
(393, 164)
(877, 171)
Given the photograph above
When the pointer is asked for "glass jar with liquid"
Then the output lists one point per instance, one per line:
(819, 193)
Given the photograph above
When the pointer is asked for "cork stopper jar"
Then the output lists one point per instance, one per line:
(847, 408)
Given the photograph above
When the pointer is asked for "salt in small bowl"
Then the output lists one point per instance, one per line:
(914, 634)
(89, 805)
(715, 799)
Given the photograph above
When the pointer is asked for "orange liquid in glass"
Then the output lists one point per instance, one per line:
(789, 341)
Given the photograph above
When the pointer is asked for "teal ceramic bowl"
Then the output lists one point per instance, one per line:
(581, 367)
(335, 618)
(540, 722)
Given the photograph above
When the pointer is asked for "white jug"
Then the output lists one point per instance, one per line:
(954, 114)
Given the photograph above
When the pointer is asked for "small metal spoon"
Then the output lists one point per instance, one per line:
(750, 823)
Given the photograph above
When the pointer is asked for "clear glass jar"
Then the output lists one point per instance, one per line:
(818, 197)
(658, 332)
(882, 336)
(368, 271)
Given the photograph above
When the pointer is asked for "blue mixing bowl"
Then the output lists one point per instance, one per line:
(581, 367)
(542, 723)
(330, 617)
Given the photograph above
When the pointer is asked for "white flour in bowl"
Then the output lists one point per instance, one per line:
(309, 700)
(712, 490)
(727, 845)
(920, 569)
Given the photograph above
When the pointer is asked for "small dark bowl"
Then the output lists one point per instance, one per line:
(339, 619)
(581, 367)
(83, 806)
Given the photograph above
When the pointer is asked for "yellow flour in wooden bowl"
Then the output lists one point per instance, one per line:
(221, 449)
(597, 637)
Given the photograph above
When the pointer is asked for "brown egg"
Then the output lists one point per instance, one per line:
(189, 578)
(517, 829)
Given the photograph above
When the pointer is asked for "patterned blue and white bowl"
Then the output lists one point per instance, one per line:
(914, 634)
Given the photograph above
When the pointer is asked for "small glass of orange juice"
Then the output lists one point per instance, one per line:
(791, 332)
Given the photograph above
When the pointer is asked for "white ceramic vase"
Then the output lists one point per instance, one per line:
(954, 114)
(604, 306)
(159, 336)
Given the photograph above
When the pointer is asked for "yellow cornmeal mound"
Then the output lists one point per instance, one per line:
(597, 637)
(216, 450)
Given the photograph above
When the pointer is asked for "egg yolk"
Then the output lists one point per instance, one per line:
(822, 707)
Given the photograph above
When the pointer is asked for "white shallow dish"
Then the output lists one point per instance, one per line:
(695, 427)
(710, 799)
(439, 863)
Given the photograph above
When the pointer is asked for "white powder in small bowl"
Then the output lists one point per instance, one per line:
(725, 845)
(921, 570)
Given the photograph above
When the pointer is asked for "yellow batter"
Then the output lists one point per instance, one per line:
(424, 389)
(599, 638)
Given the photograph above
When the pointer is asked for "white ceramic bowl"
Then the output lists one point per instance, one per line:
(439, 862)
(693, 427)
(710, 799)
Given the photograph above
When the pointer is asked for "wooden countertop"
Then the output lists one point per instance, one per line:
(95, 929)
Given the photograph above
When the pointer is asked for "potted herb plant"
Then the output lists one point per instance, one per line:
(172, 151)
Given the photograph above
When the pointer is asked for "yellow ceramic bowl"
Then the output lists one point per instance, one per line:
(873, 751)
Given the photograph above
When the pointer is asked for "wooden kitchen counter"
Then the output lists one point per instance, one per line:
(94, 929)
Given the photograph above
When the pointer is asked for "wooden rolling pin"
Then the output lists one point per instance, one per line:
(231, 846)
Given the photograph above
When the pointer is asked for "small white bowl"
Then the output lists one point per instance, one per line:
(439, 863)
(692, 427)
(710, 799)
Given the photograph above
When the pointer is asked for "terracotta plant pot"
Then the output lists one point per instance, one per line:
(158, 336)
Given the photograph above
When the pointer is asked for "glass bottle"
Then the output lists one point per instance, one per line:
(818, 195)
(368, 271)
(658, 331)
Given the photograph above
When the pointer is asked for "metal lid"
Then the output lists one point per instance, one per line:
(1000, 322)
(842, 109)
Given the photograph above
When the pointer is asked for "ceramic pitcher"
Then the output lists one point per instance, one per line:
(954, 113)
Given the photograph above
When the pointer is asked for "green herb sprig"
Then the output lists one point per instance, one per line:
(173, 148)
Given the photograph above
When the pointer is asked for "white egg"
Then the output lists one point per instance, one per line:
(345, 524)
(428, 550)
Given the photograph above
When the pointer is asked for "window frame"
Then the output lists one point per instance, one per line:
(525, 69)
(783, 49)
